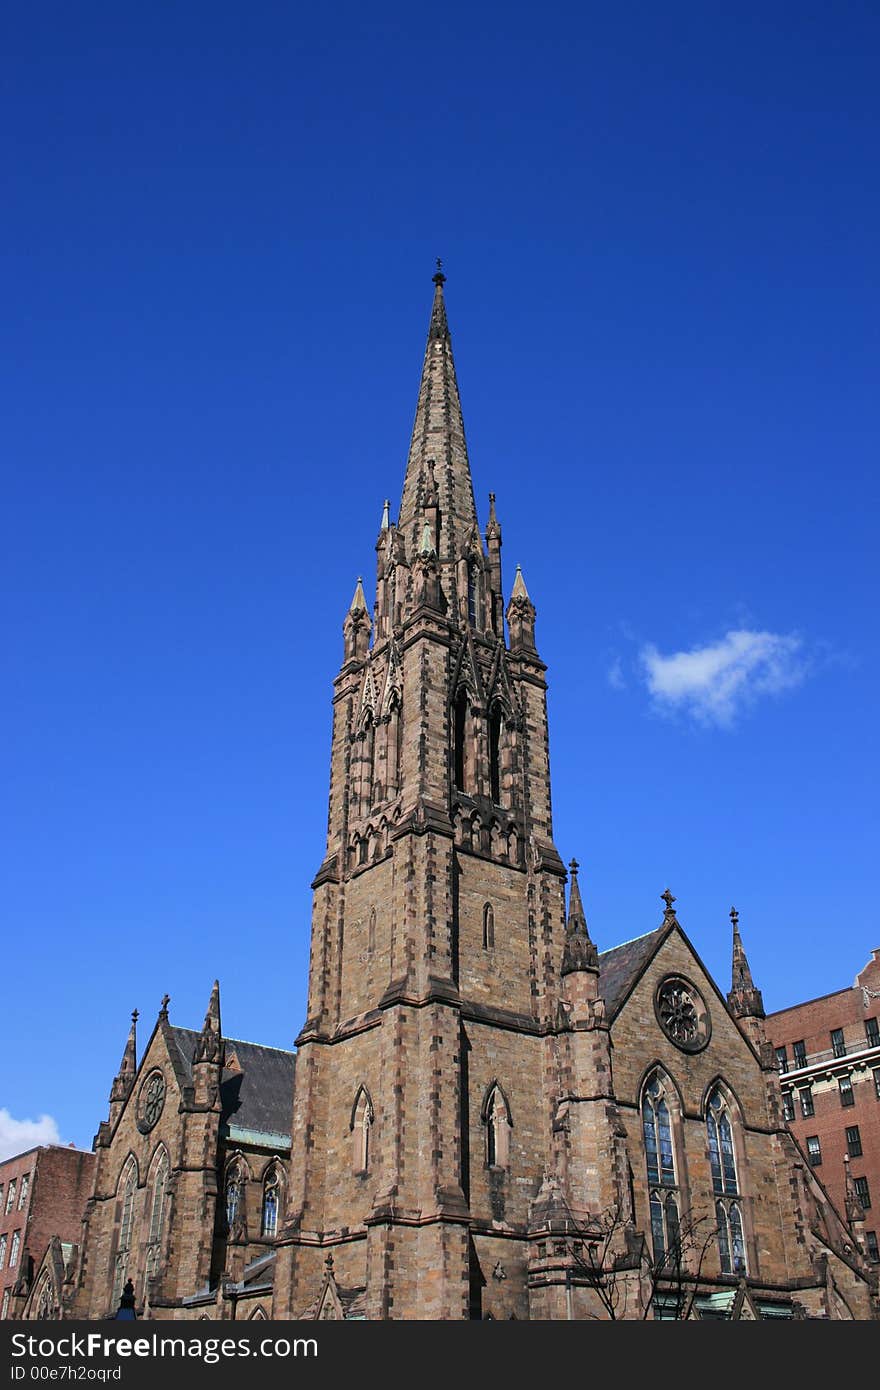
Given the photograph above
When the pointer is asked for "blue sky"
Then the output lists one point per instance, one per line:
(660, 227)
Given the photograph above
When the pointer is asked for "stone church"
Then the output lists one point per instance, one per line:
(490, 1118)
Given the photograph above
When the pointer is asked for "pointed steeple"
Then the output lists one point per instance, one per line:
(438, 435)
(493, 529)
(124, 1078)
(359, 602)
(357, 625)
(519, 589)
(521, 616)
(855, 1212)
(386, 517)
(209, 1043)
(580, 953)
(744, 999)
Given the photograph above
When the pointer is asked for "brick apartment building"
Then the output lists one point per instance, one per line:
(828, 1054)
(42, 1195)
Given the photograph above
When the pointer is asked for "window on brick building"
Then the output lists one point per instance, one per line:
(807, 1107)
(872, 1032)
(10, 1196)
(862, 1192)
(838, 1046)
(496, 725)
(853, 1142)
(496, 1118)
(787, 1105)
(814, 1150)
(876, 1074)
(126, 1189)
(361, 1125)
(488, 927)
(800, 1053)
(2, 1251)
(271, 1191)
(663, 1194)
(1, 1196)
(4, 1310)
(16, 1246)
(873, 1251)
(159, 1188)
(846, 1091)
(725, 1184)
(22, 1196)
(782, 1059)
(234, 1193)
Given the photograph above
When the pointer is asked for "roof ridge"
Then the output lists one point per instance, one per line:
(631, 941)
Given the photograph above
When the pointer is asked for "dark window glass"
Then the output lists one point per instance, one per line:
(461, 712)
(800, 1053)
(807, 1107)
(872, 1032)
(853, 1142)
(873, 1252)
(864, 1196)
(814, 1150)
(838, 1046)
(787, 1105)
(877, 1082)
(846, 1091)
(782, 1059)
(495, 754)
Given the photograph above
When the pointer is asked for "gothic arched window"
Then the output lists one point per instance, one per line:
(361, 1127)
(127, 1190)
(663, 1187)
(371, 931)
(472, 595)
(234, 1194)
(496, 1118)
(157, 1211)
(46, 1299)
(269, 1219)
(725, 1185)
(495, 727)
(460, 715)
(488, 927)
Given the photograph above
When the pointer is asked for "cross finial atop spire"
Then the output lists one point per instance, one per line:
(669, 899)
(166, 1000)
(439, 278)
(734, 917)
(134, 1015)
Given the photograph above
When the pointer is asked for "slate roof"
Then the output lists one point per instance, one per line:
(260, 1096)
(620, 967)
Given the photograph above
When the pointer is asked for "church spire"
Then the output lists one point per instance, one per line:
(124, 1078)
(438, 435)
(744, 999)
(580, 953)
(210, 1041)
(357, 625)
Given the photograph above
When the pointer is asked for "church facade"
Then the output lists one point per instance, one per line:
(490, 1118)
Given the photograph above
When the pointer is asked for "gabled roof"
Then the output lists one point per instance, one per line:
(621, 967)
(259, 1097)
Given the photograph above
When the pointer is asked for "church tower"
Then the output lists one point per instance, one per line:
(427, 1080)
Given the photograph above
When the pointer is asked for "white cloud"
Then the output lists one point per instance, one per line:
(616, 678)
(716, 682)
(18, 1135)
